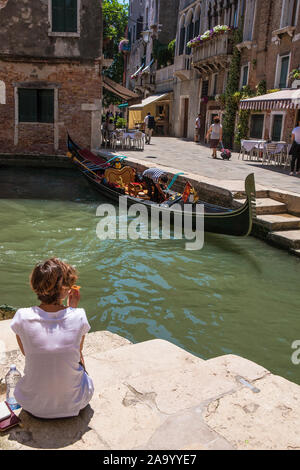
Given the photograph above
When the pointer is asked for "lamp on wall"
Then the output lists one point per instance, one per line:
(146, 36)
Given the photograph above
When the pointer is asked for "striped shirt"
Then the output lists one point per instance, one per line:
(154, 174)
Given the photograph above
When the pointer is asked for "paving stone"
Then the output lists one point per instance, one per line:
(279, 221)
(266, 206)
(287, 239)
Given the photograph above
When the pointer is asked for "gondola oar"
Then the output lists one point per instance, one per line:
(174, 179)
(84, 166)
(121, 157)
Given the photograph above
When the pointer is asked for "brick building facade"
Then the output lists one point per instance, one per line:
(269, 52)
(50, 74)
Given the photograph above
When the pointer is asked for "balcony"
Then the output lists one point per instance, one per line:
(182, 67)
(184, 4)
(144, 83)
(164, 79)
(213, 55)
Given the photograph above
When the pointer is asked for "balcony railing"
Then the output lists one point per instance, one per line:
(182, 66)
(185, 3)
(164, 78)
(165, 74)
(217, 48)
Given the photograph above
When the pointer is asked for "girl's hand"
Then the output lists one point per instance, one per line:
(73, 299)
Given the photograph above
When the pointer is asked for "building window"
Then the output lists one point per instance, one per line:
(282, 73)
(182, 40)
(290, 12)
(244, 75)
(214, 84)
(249, 20)
(205, 87)
(36, 105)
(257, 126)
(2, 93)
(277, 127)
(64, 16)
(139, 28)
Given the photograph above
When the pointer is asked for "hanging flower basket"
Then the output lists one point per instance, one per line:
(124, 46)
(208, 35)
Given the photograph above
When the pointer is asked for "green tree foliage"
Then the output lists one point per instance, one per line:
(115, 20)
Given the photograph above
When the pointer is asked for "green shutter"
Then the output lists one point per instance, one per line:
(71, 16)
(277, 126)
(257, 125)
(58, 16)
(27, 105)
(284, 72)
(46, 105)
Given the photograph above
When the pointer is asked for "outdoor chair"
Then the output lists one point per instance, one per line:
(138, 140)
(120, 136)
(271, 154)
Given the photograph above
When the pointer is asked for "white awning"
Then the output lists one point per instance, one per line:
(149, 100)
(284, 99)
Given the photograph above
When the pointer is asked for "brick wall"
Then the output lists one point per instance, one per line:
(79, 83)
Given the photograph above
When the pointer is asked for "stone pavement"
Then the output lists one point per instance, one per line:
(184, 155)
(156, 396)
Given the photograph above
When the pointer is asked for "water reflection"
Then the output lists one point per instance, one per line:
(235, 296)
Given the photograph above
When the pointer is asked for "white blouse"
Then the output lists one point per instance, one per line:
(54, 385)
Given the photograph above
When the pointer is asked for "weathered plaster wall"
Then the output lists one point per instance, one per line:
(24, 31)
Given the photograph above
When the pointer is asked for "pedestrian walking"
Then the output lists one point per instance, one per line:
(295, 150)
(197, 128)
(149, 127)
(215, 135)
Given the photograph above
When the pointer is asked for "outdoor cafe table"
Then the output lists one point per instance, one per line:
(251, 145)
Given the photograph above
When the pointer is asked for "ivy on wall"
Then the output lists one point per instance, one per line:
(231, 102)
(242, 130)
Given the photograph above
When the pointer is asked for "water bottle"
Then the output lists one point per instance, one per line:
(11, 379)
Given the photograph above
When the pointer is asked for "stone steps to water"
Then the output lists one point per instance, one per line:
(278, 222)
(289, 239)
(266, 206)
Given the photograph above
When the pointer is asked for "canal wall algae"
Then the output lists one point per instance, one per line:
(166, 399)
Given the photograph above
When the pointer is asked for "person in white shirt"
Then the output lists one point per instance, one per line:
(295, 151)
(215, 135)
(55, 383)
(197, 128)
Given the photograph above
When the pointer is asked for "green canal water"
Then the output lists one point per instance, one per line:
(235, 296)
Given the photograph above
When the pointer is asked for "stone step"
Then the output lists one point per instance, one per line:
(266, 206)
(260, 194)
(279, 222)
(289, 239)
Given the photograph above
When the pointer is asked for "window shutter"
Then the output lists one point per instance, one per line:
(46, 105)
(71, 16)
(277, 126)
(58, 16)
(197, 28)
(181, 43)
(284, 72)
(257, 125)
(245, 75)
(27, 105)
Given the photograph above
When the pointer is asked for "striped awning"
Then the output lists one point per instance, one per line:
(284, 99)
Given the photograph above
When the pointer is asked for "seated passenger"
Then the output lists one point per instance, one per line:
(55, 383)
(156, 181)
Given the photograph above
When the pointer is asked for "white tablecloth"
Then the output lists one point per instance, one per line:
(249, 145)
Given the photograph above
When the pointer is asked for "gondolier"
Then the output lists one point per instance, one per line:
(154, 178)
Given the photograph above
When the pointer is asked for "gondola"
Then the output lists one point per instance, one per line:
(217, 219)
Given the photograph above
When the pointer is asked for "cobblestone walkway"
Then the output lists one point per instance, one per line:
(195, 158)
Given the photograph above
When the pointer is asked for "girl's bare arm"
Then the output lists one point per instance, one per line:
(20, 345)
